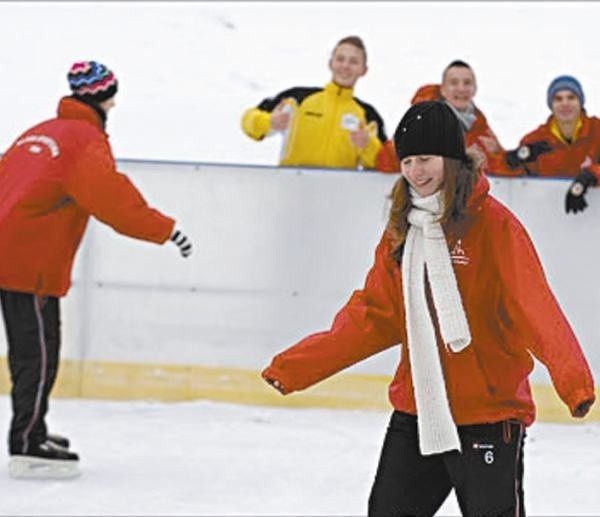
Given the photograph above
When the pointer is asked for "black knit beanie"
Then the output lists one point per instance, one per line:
(430, 127)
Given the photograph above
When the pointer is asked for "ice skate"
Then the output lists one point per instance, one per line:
(57, 439)
(45, 461)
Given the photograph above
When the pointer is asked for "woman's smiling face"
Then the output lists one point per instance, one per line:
(424, 172)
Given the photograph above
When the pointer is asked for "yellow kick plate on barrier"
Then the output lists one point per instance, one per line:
(142, 381)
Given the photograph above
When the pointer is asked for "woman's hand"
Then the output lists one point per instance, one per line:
(275, 383)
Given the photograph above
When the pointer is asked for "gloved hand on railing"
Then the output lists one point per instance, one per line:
(526, 153)
(184, 244)
(575, 200)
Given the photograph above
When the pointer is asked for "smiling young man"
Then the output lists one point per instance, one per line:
(566, 145)
(323, 126)
(457, 90)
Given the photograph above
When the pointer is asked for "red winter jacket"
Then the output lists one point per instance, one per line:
(566, 160)
(52, 179)
(387, 161)
(511, 313)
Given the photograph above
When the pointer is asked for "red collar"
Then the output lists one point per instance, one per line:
(479, 193)
(70, 108)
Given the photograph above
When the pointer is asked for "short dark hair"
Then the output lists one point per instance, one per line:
(458, 63)
(353, 40)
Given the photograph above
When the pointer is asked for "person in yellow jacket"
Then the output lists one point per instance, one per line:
(324, 127)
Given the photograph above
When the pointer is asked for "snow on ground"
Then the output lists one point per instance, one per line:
(205, 458)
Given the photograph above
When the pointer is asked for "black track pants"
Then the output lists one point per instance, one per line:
(33, 332)
(487, 475)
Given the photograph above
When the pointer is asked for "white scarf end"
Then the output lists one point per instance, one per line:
(458, 345)
(438, 447)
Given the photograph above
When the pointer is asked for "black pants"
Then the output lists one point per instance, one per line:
(487, 475)
(33, 332)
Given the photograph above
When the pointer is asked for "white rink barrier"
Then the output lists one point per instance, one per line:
(277, 251)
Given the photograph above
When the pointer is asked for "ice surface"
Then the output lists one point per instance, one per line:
(205, 458)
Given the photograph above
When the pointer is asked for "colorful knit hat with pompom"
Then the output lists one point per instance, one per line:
(92, 81)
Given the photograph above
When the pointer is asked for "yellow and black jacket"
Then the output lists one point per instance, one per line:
(321, 120)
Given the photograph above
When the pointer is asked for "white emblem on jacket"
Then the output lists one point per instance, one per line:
(50, 143)
(458, 255)
(350, 122)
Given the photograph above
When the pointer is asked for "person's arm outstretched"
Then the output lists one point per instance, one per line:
(112, 198)
(370, 322)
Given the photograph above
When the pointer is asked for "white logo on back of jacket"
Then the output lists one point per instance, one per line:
(35, 148)
(458, 255)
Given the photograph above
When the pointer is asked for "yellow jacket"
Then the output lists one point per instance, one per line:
(320, 125)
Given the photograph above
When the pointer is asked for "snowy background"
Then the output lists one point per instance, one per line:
(187, 71)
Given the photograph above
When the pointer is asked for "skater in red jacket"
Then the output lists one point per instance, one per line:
(457, 282)
(52, 179)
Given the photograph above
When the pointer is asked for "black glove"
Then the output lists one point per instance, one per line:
(185, 246)
(583, 408)
(575, 200)
(527, 153)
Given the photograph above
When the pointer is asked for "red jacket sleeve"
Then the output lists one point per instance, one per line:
(386, 160)
(369, 323)
(595, 170)
(496, 166)
(113, 199)
(536, 315)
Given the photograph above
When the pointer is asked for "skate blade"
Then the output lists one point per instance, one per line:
(31, 467)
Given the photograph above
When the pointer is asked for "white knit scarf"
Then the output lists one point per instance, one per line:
(426, 246)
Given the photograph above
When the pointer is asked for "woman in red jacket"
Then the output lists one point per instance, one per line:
(52, 179)
(457, 282)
